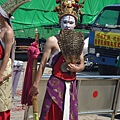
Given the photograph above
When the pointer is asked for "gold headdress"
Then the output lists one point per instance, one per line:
(71, 7)
(11, 5)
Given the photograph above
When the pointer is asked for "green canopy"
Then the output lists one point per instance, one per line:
(2, 1)
(34, 14)
(39, 14)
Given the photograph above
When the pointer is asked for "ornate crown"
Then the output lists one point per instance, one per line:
(11, 5)
(71, 7)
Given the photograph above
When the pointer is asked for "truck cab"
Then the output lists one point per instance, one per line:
(104, 40)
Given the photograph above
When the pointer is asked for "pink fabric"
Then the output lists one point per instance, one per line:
(33, 53)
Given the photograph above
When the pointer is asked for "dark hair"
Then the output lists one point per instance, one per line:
(8, 21)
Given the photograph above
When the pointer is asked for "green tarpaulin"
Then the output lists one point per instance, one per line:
(39, 13)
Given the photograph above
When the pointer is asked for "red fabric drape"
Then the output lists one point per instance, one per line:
(1, 52)
(55, 113)
(5, 115)
(33, 53)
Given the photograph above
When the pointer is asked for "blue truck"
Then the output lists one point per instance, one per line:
(104, 40)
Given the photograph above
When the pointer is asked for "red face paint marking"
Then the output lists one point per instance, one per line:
(95, 94)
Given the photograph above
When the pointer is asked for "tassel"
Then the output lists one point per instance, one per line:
(58, 1)
(76, 1)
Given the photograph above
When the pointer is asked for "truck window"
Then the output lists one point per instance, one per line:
(108, 17)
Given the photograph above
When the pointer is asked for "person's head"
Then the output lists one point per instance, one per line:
(4, 15)
(68, 11)
(67, 22)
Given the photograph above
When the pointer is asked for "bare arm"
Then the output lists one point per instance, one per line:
(8, 39)
(47, 51)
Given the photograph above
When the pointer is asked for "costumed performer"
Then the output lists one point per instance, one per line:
(60, 101)
(6, 44)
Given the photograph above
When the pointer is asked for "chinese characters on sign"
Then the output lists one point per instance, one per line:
(105, 39)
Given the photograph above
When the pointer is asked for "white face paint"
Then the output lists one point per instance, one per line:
(68, 22)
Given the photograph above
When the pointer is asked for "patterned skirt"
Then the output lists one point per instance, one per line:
(54, 100)
(6, 89)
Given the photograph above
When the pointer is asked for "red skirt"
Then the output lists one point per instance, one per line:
(54, 113)
(5, 115)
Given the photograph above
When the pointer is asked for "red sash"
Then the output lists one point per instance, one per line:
(63, 75)
(5, 115)
(1, 52)
(54, 113)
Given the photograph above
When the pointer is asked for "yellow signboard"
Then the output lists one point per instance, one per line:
(107, 39)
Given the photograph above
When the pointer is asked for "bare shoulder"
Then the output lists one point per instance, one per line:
(9, 33)
(52, 41)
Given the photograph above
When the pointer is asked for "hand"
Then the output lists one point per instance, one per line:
(72, 67)
(34, 90)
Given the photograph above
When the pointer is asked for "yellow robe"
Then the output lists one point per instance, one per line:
(6, 89)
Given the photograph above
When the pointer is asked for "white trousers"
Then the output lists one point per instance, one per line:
(66, 111)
